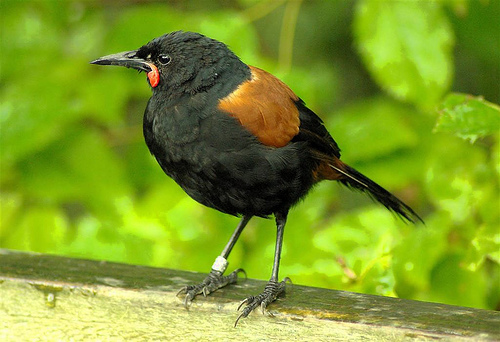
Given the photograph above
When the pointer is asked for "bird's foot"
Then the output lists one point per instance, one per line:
(214, 281)
(272, 290)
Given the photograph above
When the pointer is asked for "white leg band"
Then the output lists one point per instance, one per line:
(220, 264)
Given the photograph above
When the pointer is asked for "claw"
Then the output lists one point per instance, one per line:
(243, 302)
(183, 290)
(214, 281)
(240, 270)
(237, 319)
(187, 301)
(272, 290)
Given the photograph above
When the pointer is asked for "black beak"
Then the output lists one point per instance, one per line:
(127, 59)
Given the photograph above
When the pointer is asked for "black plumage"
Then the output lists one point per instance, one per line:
(238, 140)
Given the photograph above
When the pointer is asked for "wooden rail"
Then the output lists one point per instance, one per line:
(51, 298)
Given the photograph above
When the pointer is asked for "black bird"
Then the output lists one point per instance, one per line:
(238, 140)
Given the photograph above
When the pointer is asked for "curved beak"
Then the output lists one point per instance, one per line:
(126, 59)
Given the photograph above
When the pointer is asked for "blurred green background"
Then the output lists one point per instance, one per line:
(407, 89)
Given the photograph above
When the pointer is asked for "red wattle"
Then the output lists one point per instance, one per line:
(153, 76)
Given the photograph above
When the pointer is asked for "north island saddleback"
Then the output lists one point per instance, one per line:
(238, 140)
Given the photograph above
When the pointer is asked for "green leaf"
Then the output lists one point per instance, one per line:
(10, 208)
(468, 117)
(92, 240)
(455, 285)
(414, 260)
(407, 47)
(452, 185)
(364, 240)
(80, 167)
(372, 129)
(31, 231)
(29, 123)
(486, 244)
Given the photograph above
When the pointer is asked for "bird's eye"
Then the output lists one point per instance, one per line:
(164, 59)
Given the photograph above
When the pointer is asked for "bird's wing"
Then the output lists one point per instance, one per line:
(266, 107)
(315, 133)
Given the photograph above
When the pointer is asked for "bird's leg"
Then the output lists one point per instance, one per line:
(215, 279)
(274, 288)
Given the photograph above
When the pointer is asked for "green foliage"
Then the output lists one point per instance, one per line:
(407, 47)
(76, 177)
(468, 117)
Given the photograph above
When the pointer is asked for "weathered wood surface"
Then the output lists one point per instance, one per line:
(52, 298)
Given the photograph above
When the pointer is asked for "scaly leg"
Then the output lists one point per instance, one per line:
(215, 279)
(274, 288)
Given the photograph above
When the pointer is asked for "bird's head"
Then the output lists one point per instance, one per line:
(180, 61)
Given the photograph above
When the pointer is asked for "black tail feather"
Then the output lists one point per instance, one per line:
(355, 180)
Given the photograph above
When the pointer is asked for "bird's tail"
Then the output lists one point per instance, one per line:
(354, 179)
